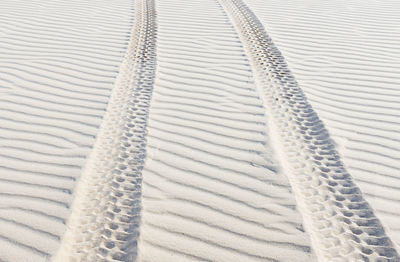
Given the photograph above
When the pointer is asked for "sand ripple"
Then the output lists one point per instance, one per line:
(211, 189)
(58, 62)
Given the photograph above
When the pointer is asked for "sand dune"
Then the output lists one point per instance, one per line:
(346, 57)
(58, 62)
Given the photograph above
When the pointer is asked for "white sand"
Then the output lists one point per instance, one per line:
(208, 150)
(211, 191)
(105, 220)
(58, 63)
(346, 57)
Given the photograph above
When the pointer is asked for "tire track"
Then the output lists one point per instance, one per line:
(211, 189)
(341, 223)
(104, 224)
(351, 77)
(58, 63)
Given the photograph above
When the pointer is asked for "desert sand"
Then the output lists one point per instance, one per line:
(199, 130)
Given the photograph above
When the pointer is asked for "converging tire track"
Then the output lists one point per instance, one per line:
(341, 223)
(223, 134)
(104, 224)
